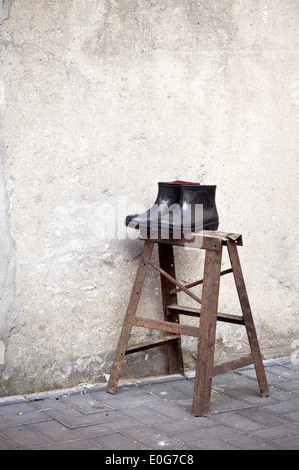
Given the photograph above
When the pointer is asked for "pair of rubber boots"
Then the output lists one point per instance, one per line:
(180, 208)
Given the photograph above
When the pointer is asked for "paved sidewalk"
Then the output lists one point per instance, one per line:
(156, 415)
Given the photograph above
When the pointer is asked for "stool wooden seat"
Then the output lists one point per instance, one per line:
(212, 242)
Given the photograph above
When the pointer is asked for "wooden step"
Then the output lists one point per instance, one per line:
(171, 327)
(232, 365)
(151, 344)
(195, 312)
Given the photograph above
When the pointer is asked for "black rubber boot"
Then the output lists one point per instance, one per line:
(195, 211)
(168, 194)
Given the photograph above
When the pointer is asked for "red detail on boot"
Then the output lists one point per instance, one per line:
(182, 182)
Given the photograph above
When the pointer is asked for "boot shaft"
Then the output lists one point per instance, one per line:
(198, 208)
(203, 194)
(168, 193)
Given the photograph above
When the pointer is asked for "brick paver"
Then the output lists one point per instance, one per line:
(156, 415)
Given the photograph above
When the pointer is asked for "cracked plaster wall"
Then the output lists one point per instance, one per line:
(100, 100)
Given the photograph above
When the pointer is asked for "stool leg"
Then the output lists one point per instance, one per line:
(128, 321)
(174, 349)
(248, 319)
(207, 333)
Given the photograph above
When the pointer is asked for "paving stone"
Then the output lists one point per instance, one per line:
(287, 443)
(187, 424)
(25, 438)
(186, 403)
(273, 379)
(54, 408)
(282, 372)
(293, 364)
(15, 409)
(122, 423)
(54, 431)
(122, 401)
(155, 440)
(263, 417)
(237, 421)
(250, 396)
(276, 432)
(276, 395)
(170, 410)
(292, 416)
(5, 445)
(194, 435)
(120, 442)
(63, 415)
(284, 407)
(83, 444)
(289, 385)
(145, 415)
(234, 381)
(163, 391)
(223, 403)
(84, 403)
(74, 422)
(22, 419)
(186, 387)
(246, 442)
(213, 444)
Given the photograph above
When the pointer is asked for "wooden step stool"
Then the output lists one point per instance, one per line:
(212, 242)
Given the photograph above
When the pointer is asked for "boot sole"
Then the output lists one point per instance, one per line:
(213, 226)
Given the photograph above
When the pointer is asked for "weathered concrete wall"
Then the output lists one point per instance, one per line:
(100, 100)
